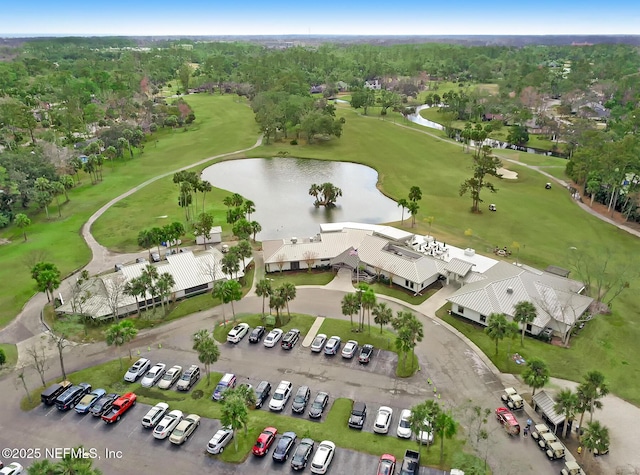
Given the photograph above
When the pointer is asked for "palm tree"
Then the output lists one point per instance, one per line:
(218, 292)
(244, 251)
(249, 208)
(596, 438)
(402, 202)
(230, 264)
(415, 193)
(135, 288)
(314, 191)
(205, 187)
(288, 292)
(525, 313)
(368, 299)
(350, 306)
(22, 221)
(446, 427)
(149, 277)
(255, 229)
(164, 285)
(594, 387)
(536, 374)
(413, 208)
(207, 348)
(121, 333)
(382, 314)
(145, 240)
(58, 189)
(567, 404)
(277, 302)
(264, 289)
(497, 327)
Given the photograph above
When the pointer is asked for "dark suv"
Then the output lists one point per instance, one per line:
(358, 415)
(189, 378)
(262, 393)
(301, 399)
(290, 339)
(68, 399)
(50, 394)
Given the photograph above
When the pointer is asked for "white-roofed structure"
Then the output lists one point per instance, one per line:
(193, 274)
(558, 301)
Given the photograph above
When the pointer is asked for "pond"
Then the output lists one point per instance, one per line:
(280, 189)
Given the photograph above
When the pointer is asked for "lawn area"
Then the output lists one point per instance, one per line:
(58, 240)
(198, 401)
(401, 293)
(302, 277)
(11, 355)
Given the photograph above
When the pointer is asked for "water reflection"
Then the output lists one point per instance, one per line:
(280, 189)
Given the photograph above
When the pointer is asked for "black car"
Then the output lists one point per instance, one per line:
(301, 399)
(365, 354)
(262, 393)
(256, 334)
(103, 404)
(302, 454)
(284, 446)
(290, 339)
(68, 399)
(318, 405)
(358, 415)
(49, 395)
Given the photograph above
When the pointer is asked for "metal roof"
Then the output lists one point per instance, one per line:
(458, 267)
(504, 285)
(542, 400)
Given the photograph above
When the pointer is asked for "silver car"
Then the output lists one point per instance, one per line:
(153, 375)
(170, 377)
(318, 343)
(219, 441)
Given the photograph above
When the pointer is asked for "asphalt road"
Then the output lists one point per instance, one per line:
(459, 375)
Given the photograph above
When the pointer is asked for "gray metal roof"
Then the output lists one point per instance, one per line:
(458, 267)
(542, 400)
(504, 285)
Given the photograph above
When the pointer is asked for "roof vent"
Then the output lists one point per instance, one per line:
(294, 240)
(509, 290)
(469, 252)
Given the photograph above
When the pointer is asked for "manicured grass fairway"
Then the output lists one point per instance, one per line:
(222, 125)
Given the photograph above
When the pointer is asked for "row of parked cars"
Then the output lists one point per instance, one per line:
(158, 375)
(383, 422)
(321, 343)
(173, 424)
(285, 447)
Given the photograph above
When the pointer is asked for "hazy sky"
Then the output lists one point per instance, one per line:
(411, 17)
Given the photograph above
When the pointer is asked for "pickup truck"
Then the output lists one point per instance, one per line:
(513, 400)
(119, 407)
(410, 463)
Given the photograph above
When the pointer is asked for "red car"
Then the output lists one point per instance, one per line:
(508, 421)
(119, 407)
(264, 441)
(386, 465)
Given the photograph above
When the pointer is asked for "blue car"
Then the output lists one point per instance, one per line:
(85, 404)
(333, 345)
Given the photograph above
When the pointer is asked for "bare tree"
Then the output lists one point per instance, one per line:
(280, 261)
(565, 313)
(114, 291)
(40, 362)
(310, 258)
(61, 343)
(24, 384)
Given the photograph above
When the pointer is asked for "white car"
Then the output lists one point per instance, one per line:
(425, 436)
(350, 349)
(323, 457)
(138, 370)
(383, 420)
(219, 441)
(14, 468)
(404, 428)
(153, 375)
(238, 333)
(167, 424)
(170, 377)
(155, 414)
(273, 337)
(318, 343)
(280, 396)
